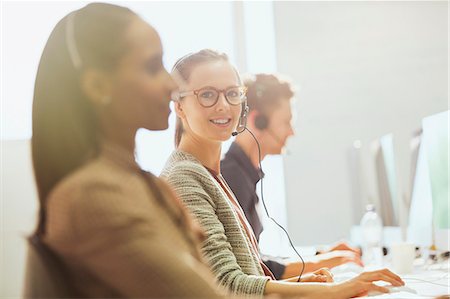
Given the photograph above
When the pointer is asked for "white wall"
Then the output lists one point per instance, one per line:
(19, 204)
(365, 69)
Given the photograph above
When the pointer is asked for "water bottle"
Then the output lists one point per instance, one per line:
(372, 232)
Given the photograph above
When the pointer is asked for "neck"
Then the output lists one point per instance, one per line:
(207, 152)
(121, 136)
(250, 148)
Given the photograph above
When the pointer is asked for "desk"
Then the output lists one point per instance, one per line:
(428, 281)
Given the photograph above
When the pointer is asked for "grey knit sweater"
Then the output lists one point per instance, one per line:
(227, 247)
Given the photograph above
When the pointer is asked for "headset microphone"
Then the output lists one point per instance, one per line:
(275, 137)
(279, 141)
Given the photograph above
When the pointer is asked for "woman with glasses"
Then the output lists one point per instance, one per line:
(115, 230)
(210, 106)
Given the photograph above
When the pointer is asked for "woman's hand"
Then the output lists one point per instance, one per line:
(338, 257)
(362, 284)
(344, 246)
(321, 275)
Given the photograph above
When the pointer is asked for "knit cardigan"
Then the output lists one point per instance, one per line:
(227, 247)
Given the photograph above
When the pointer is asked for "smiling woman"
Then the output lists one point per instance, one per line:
(208, 111)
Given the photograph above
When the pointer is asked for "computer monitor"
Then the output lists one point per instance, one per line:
(386, 179)
(430, 194)
(436, 141)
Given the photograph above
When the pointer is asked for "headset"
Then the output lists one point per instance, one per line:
(71, 44)
(262, 123)
(267, 212)
(242, 124)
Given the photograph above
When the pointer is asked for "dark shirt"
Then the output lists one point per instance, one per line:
(242, 177)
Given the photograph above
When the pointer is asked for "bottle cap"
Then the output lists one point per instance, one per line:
(370, 208)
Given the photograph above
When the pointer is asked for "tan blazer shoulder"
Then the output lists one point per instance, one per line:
(117, 240)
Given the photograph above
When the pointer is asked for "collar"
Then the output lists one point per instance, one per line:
(237, 153)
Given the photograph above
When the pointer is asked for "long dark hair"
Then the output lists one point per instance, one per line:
(65, 129)
(184, 67)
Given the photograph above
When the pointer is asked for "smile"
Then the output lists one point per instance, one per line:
(221, 121)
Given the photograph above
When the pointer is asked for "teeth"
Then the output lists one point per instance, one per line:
(220, 121)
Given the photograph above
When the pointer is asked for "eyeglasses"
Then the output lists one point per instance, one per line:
(208, 96)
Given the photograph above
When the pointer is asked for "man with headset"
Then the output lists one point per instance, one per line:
(269, 119)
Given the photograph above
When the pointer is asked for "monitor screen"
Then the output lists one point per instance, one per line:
(435, 143)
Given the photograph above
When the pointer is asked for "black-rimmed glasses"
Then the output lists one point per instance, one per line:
(208, 96)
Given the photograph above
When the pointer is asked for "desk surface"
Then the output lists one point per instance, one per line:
(428, 283)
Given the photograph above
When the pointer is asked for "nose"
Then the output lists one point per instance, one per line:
(222, 103)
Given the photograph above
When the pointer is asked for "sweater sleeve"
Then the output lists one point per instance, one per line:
(190, 182)
(275, 267)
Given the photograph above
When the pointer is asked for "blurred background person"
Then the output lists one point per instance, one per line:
(270, 120)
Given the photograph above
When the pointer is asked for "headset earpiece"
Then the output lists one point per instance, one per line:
(242, 119)
(175, 96)
(261, 122)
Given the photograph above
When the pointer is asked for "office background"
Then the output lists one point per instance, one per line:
(363, 69)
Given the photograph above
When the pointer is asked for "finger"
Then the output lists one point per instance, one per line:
(329, 278)
(314, 278)
(345, 246)
(308, 277)
(358, 260)
(345, 260)
(325, 272)
(339, 246)
(319, 278)
(391, 280)
(394, 276)
(381, 276)
(326, 278)
(375, 288)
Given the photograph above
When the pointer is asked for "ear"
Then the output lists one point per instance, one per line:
(179, 109)
(251, 119)
(96, 85)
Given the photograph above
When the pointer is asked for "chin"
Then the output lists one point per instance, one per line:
(277, 151)
(220, 138)
(226, 138)
(158, 127)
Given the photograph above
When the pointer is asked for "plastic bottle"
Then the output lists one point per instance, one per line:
(372, 232)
